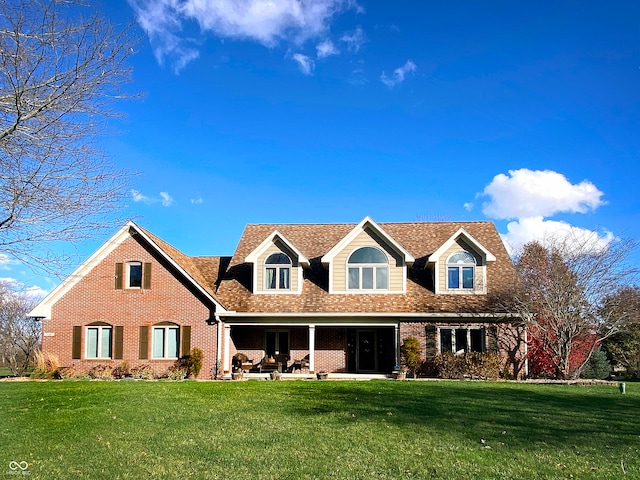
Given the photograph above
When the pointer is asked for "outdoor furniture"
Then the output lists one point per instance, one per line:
(241, 361)
(300, 364)
(275, 363)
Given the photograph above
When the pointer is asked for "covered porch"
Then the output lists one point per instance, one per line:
(298, 348)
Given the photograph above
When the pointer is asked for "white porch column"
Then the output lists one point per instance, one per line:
(218, 345)
(312, 348)
(397, 343)
(226, 361)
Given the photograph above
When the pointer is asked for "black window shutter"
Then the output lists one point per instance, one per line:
(76, 347)
(144, 343)
(186, 340)
(119, 282)
(118, 340)
(147, 276)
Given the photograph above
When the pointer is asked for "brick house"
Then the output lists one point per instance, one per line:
(315, 297)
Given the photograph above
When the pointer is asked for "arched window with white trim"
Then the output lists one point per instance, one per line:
(368, 269)
(277, 272)
(461, 267)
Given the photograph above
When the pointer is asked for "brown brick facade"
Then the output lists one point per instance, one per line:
(96, 299)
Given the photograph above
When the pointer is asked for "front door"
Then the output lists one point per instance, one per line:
(366, 354)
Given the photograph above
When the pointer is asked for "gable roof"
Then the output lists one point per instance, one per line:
(184, 264)
(366, 222)
(253, 256)
(314, 241)
(488, 256)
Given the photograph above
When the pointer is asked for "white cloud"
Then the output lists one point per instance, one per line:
(468, 206)
(326, 49)
(354, 39)
(167, 200)
(530, 196)
(164, 198)
(553, 232)
(197, 201)
(266, 22)
(528, 193)
(35, 292)
(306, 65)
(398, 74)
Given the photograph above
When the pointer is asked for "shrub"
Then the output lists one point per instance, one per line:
(597, 367)
(143, 372)
(46, 365)
(468, 365)
(410, 351)
(191, 363)
(121, 371)
(101, 372)
(175, 373)
(72, 372)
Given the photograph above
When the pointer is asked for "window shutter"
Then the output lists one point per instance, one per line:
(430, 347)
(147, 276)
(118, 340)
(76, 348)
(144, 343)
(119, 276)
(186, 340)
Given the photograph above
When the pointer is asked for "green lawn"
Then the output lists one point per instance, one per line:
(310, 429)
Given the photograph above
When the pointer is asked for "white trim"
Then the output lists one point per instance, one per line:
(43, 309)
(165, 341)
(267, 242)
(342, 244)
(360, 266)
(255, 254)
(435, 256)
(233, 314)
(99, 351)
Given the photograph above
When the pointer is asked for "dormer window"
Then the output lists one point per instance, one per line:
(368, 269)
(277, 272)
(461, 271)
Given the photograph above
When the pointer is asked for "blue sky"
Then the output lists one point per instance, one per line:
(527, 115)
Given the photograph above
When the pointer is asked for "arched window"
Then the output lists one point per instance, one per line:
(277, 272)
(165, 340)
(461, 268)
(368, 269)
(98, 343)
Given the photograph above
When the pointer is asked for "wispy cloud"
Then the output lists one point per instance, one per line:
(33, 292)
(326, 49)
(399, 74)
(268, 23)
(306, 65)
(531, 196)
(163, 198)
(354, 39)
(197, 201)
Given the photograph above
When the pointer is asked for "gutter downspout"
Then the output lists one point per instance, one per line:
(218, 337)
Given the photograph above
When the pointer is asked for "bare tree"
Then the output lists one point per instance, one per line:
(62, 66)
(564, 288)
(19, 335)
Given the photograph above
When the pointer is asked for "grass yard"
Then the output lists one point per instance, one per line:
(318, 430)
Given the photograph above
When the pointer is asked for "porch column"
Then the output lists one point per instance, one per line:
(227, 342)
(396, 342)
(312, 348)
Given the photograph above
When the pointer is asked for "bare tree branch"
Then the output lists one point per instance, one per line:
(61, 71)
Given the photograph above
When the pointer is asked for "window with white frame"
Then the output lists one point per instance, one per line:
(134, 275)
(98, 341)
(368, 269)
(277, 272)
(461, 268)
(462, 339)
(166, 341)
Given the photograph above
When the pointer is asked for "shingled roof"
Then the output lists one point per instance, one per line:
(233, 287)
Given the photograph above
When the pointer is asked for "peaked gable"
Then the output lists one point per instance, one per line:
(182, 263)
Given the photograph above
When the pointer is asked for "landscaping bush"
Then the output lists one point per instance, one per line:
(191, 363)
(143, 372)
(175, 373)
(468, 365)
(598, 366)
(72, 372)
(101, 372)
(121, 371)
(46, 365)
(410, 351)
